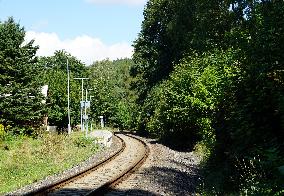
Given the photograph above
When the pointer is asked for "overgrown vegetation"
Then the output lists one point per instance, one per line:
(111, 93)
(209, 74)
(53, 71)
(188, 101)
(24, 160)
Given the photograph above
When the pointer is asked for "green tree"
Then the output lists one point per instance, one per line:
(174, 29)
(54, 74)
(184, 106)
(244, 114)
(20, 92)
(164, 38)
(251, 126)
(112, 97)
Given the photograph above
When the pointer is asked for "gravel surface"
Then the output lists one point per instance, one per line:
(101, 155)
(165, 172)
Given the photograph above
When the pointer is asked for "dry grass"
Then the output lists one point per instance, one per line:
(24, 160)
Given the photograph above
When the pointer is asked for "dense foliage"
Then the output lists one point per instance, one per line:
(54, 74)
(20, 93)
(210, 73)
(159, 44)
(22, 76)
(111, 94)
(189, 99)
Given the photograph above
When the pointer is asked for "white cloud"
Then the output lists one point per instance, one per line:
(85, 48)
(125, 2)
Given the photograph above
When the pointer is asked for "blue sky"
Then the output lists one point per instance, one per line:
(88, 29)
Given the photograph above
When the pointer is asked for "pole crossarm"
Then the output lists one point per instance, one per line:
(81, 78)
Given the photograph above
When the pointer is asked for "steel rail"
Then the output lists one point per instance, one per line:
(63, 181)
(107, 186)
(118, 179)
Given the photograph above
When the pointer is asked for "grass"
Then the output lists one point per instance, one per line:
(24, 160)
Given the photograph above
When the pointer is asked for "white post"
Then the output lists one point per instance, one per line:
(102, 121)
(86, 120)
(82, 125)
(91, 119)
(68, 92)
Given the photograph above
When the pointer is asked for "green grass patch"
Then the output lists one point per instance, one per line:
(24, 160)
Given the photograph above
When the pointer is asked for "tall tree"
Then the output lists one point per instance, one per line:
(164, 38)
(111, 93)
(20, 92)
(247, 120)
(54, 74)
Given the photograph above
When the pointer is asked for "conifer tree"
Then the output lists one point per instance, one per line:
(20, 92)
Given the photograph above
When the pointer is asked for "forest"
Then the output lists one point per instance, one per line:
(205, 76)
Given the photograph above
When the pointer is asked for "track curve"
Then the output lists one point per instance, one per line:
(106, 175)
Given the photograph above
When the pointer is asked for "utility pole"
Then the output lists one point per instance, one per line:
(86, 119)
(82, 100)
(91, 119)
(87, 104)
(68, 92)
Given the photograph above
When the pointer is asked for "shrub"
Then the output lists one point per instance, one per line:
(184, 106)
(2, 131)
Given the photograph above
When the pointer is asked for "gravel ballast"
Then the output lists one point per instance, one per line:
(165, 172)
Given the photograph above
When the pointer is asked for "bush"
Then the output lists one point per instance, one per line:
(182, 108)
(82, 142)
(2, 131)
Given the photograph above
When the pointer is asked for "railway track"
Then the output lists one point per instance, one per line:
(103, 177)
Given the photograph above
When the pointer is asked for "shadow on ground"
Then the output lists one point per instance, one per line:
(173, 182)
(167, 180)
(179, 144)
(132, 192)
(163, 181)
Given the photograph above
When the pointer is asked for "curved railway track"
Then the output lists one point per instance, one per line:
(105, 175)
